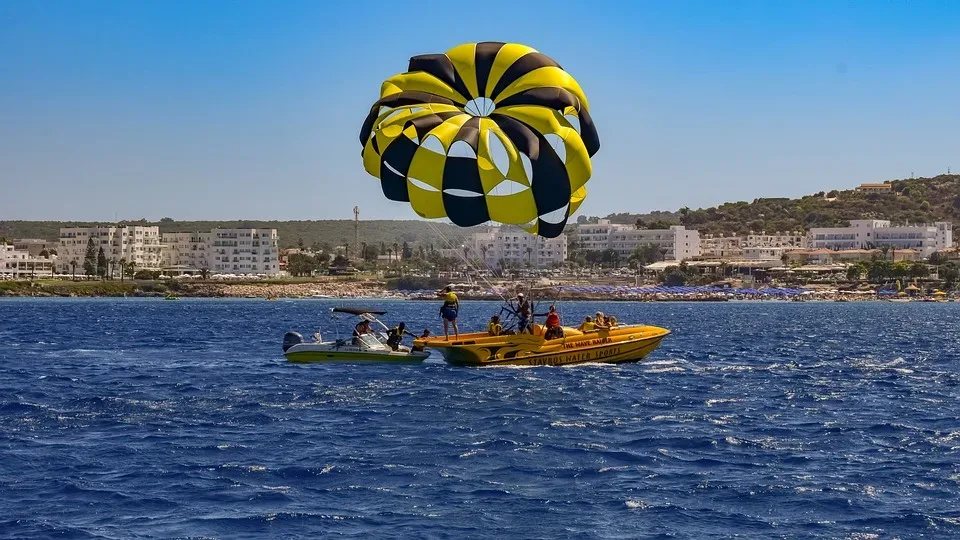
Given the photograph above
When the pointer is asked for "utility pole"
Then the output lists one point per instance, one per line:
(356, 227)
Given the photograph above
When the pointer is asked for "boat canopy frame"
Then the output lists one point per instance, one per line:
(365, 314)
(357, 311)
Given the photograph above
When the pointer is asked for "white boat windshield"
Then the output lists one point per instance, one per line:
(370, 342)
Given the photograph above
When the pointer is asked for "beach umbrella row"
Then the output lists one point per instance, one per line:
(662, 289)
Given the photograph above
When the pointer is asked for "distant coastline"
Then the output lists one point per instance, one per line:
(351, 288)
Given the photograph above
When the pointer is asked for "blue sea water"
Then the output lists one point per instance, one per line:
(141, 418)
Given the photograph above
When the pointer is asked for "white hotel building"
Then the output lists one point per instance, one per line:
(878, 233)
(221, 251)
(243, 251)
(20, 263)
(509, 246)
(678, 242)
(186, 252)
(135, 244)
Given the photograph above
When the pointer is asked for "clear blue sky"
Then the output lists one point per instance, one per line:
(222, 110)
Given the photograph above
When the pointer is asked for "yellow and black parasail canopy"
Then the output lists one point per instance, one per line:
(485, 132)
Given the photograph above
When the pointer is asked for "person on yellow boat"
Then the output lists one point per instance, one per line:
(395, 336)
(424, 335)
(523, 313)
(494, 328)
(553, 328)
(611, 321)
(449, 311)
(587, 325)
(600, 319)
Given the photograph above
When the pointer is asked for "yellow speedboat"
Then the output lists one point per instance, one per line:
(628, 343)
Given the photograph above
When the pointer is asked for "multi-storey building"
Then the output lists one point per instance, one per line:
(720, 247)
(17, 263)
(244, 251)
(184, 251)
(790, 239)
(878, 233)
(596, 236)
(676, 243)
(133, 244)
(509, 246)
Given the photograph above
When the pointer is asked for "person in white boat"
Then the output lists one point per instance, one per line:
(362, 327)
(395, 336)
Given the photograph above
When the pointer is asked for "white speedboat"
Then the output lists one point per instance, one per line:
(365, 348)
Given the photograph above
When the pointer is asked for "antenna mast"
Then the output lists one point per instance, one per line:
(356, 229)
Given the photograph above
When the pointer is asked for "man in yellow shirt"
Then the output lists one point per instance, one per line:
(449, 311)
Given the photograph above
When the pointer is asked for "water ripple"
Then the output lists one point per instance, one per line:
(148, 419)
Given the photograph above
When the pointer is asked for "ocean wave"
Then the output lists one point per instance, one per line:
(736, 425)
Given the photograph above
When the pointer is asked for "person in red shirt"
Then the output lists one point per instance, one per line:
(553, 325)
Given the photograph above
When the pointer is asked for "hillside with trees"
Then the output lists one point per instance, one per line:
(914, 200)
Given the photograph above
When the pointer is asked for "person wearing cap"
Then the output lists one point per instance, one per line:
(449, 311)
(523, 313)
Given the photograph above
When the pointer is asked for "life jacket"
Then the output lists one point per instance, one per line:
(450, 299)
(494, 329)
(588, 326)
(553, 320)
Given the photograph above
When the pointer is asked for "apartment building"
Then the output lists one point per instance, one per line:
(879, 233)
(134, 244)
(244, 251)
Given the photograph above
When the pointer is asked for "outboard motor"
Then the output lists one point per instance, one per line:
(290, 339)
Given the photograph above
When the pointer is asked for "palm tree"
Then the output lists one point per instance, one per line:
(123, 267)
(396, 252)
(663, 254)
(483, 249)
(529, 255)
(73, 266)
(389, 255)
(885, 250)
(204, 273)
(466, 253)
(363, 250)
(132, 269)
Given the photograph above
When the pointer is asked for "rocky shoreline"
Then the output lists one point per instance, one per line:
(373, 289)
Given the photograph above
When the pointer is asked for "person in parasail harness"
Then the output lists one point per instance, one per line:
(395, 336)
(494, 328)
(449, 311)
